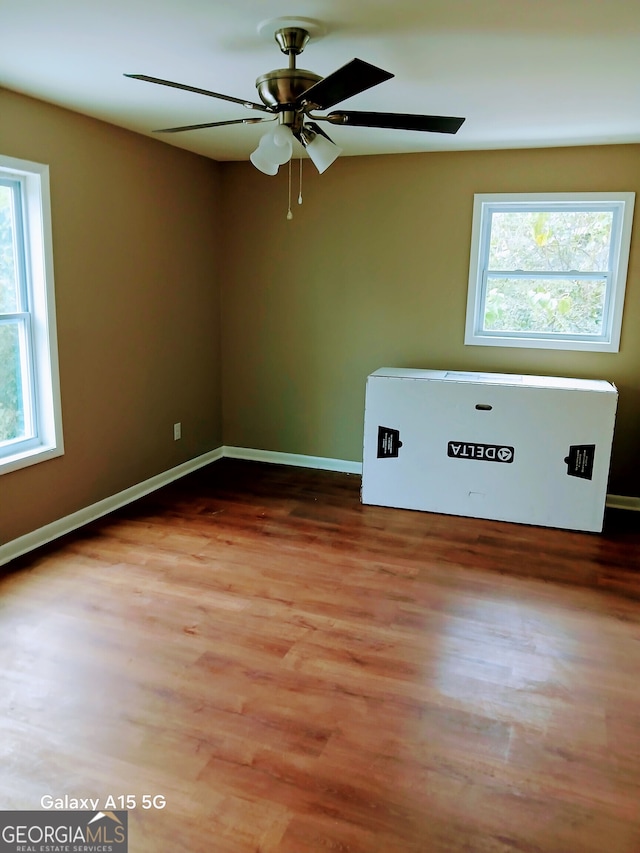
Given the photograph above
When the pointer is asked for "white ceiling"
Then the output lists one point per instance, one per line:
(523, 72)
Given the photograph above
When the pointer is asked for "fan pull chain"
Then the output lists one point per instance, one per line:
(289, 214)
(300, 191)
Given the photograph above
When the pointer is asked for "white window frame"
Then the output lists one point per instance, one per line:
(43, 412)
(620, 203)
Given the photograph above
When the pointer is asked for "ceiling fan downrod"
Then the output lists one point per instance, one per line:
(292, 41)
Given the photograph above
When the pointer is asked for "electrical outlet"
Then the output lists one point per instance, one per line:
(177, 431)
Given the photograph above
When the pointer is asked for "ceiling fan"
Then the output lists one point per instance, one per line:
(292, 95)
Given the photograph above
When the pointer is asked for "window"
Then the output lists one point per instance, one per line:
(30, 418)
(549, 270)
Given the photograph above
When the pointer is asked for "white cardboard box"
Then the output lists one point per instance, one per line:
(529, 449)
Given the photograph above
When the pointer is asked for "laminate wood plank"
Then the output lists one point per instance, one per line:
(297, 672)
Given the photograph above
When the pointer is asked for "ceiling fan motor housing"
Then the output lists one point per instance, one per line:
(281, 87)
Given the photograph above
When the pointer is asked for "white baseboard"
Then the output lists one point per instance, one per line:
(26, 543)
(30, 541)
(322, 463)
(622, 502)
(346, 466)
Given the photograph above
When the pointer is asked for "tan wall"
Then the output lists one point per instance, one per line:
(371, 272)
(135, 238)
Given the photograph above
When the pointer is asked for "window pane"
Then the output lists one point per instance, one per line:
(570, 306)
(8, 263)
(11, 403)
(551, 240)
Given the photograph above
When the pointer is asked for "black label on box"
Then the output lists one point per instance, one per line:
(580, 460)
(388, 442)
(483, 452)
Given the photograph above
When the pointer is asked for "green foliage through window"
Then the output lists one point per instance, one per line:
(572, 306)
(548, 270)
(553, 242)
(11, 407)
(11, 403)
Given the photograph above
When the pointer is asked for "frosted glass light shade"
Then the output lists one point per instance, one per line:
(263, 163)
(322, 152)
(282, 135)
(277, 147)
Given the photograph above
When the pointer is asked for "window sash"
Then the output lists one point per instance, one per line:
(616, 208)
(568, 274)
(16, 187)
(619, 205)
(605, 325)
(35, 318)
(21, 319)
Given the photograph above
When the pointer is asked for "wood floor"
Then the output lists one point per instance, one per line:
(295, 672)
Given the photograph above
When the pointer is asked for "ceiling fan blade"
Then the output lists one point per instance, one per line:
(354, 77)
(250, 105)
(398, 121)
(212, 124)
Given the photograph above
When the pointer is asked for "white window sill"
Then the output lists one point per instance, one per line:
(24, 458)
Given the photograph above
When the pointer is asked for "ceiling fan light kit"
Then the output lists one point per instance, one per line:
(322, 152)
(291, 96)
(276, 146)
(262, 164)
